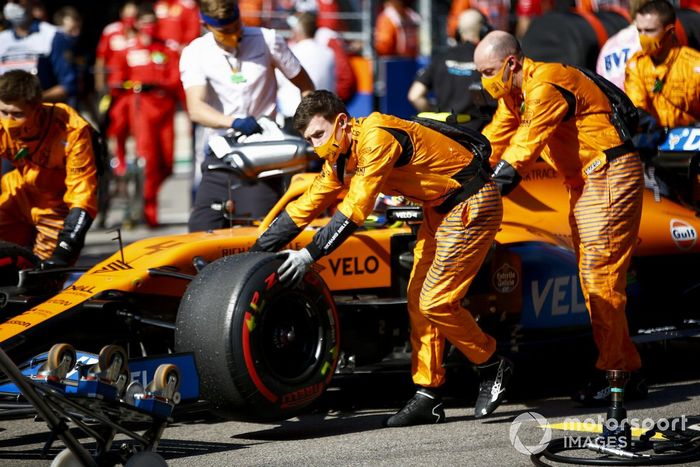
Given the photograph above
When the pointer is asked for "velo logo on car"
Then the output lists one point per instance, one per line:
(683, 234)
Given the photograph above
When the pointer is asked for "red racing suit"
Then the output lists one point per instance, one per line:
(154, 77)
(178, 22)
(564, 117)
(55, 177)
(113, 42)
(397, 157)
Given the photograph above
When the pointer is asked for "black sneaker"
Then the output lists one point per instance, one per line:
(423, 409)
(596, 393)
(495, 375)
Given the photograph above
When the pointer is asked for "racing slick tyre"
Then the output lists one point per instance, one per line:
(14, 258)
(263, 351)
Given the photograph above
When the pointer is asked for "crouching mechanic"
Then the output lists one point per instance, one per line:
(49, 201)
(462, 212)
(555, 111)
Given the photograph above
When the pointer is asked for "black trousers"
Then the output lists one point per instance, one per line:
(252, 199)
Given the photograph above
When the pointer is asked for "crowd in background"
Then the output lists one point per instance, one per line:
(127, 82)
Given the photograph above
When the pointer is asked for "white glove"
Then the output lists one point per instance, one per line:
(294, 267)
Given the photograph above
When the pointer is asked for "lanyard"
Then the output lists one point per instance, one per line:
(236, 75)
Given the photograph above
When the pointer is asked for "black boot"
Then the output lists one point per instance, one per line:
(596, 392)
(424, 408)
(495, 375)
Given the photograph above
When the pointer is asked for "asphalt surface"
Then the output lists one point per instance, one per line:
(345, 426)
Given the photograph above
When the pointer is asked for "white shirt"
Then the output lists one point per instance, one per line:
(243, 83)
(23, 53)
(615, 53)
(319, 62)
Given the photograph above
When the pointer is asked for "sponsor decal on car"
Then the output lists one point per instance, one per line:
(683, 234)
(682, 139)
(354, 266)
(505, 279)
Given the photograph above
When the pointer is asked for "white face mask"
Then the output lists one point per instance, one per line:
(15, 14)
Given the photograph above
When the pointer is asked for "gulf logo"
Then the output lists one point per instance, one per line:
(683, 234)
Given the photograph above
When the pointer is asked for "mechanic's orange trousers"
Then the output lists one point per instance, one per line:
(27, 218)
(604, 217)
(449, 252)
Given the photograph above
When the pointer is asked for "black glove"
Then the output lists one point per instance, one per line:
(647, 123)
(649, 135)
(505, 176)
(247, 126)
(60, 258)
(70, 240)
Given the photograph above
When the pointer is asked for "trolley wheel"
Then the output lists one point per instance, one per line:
(127, 379)
(66, 458)
(146, 459)
(58, 353)
(162, 375)
(107, 356)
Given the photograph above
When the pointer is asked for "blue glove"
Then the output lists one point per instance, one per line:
(294, 267)
(247, 125)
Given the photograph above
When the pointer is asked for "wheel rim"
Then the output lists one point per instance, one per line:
(291, 337)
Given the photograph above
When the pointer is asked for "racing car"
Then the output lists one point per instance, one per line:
(263, 351)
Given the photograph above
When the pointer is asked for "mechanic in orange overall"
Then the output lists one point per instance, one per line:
(663, 79)
(462, 212)
(396, 30)
(150, 70)
(48, 202)
(554, 111)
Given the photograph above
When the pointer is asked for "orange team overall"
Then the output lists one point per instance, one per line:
(398, 157)
(52, 194)
(564, 117)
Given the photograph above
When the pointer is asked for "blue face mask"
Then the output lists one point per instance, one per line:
(15, 14)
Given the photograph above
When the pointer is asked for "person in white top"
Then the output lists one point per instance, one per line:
(229, 79)
(317, 59)
(619, 48)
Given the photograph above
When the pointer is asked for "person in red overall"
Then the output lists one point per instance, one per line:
(149, 70)
(116, 37)
(178, 22)
(177, 25)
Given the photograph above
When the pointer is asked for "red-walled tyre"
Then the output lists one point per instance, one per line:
(263, 351)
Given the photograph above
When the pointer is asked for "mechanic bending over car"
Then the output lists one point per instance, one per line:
(462, 212)
(229, 79)
(49, 201)
(662, 79)
(556, 112)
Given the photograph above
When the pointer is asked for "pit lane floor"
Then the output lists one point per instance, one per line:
(345, 427)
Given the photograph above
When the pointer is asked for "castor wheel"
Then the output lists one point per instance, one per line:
(66, 458)
(112, 366)
(59, 361)
(112, 362)
(166, 382)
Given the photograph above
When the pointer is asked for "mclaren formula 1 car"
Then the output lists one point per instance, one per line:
(263, 351)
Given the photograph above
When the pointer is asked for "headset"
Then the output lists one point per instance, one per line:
(485, 26)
